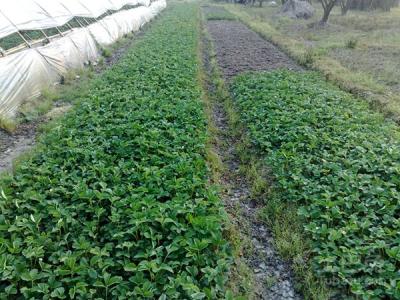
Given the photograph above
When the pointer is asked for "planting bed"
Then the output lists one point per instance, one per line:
(16, 143)
(272, 277)
(116, 203)
(340, 163)
(240, 49)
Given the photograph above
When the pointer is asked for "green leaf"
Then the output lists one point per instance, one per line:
(130, 267)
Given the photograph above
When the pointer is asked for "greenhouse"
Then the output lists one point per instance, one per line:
(78, 29)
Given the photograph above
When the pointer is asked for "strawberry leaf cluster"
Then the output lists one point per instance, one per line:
(116, 204)
(340, 163)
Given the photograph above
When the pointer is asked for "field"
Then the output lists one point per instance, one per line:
(358, 52)
(116, 202)
(339, 163)
(208, 163)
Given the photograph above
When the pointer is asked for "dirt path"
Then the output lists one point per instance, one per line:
(239, 50)
(273, 276)
(12, 145)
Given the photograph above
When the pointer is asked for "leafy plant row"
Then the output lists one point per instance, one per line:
(115, 205)
(340, 163)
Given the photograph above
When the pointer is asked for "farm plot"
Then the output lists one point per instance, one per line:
(116, 203)
(231, 48)
(340, 164)
(240, 49)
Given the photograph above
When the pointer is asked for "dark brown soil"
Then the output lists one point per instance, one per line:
(240, 49)
(13, 145)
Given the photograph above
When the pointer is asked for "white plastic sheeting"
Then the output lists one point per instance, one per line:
(109, 29)
(39, 14)
(43, 14)
(22, 77)
(70, 52)
(25, 74)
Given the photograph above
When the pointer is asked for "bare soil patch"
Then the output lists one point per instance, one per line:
(12, 145)
(240, 49)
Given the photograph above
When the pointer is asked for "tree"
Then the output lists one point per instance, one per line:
(344, 6)
(328, 5)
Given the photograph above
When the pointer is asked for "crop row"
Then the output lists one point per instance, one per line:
(340, 164)
(116, 203)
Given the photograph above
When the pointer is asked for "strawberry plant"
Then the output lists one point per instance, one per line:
(115, 205)
(340, 164)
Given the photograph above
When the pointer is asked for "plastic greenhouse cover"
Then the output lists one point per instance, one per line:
(37, 14)
(61, 10)
(30, 17)
(43, 14)
(131, 2)
(109, 29)
(22, 77)
(145, 2)
(6, 27)
(74, 7)
(117, 4)
(25, 74)
(96, 7)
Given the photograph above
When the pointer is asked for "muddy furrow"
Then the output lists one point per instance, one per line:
(13, 145)
(273, 276)
(238, 49)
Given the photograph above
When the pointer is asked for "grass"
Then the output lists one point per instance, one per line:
(74, 89)
(358, 52)
(7, 124)
(294, 245)
(31, 110)
(218, 13)
(106, 52)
